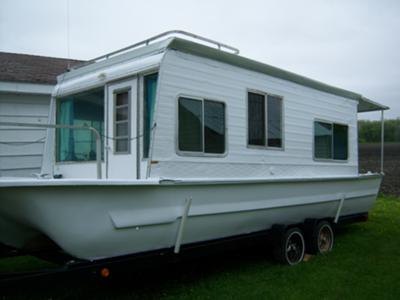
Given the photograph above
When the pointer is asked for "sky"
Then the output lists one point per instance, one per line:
(350, 44)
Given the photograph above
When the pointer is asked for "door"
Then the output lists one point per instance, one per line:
(121, 139)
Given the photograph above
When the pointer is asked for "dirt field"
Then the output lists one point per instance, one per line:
(369, 160)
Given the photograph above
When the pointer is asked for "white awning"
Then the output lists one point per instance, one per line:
(366, 105)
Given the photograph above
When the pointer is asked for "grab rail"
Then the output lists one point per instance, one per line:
(156, 37)
(94, 130)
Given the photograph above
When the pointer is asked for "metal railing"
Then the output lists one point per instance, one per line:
(156, 37)
(78, 127)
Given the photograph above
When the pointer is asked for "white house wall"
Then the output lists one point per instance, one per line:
(21, 149)
(184, 74)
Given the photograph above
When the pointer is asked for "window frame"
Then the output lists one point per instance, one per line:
(265, 94)
(129, 120)
(316, 159)
(198, 153)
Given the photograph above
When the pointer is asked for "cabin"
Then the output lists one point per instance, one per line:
(182, 108)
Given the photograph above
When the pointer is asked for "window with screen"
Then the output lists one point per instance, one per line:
(264, 120)
(201, 126)
(122, 122)
(330, 141)
(256, 117)
(80, 109)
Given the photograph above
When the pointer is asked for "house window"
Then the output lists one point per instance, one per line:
(264, 120)
(201, 126)
(330, 141)
(149, 99)
(122, 122)
(85, 108)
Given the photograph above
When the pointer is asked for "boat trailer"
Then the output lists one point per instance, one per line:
(102, 268)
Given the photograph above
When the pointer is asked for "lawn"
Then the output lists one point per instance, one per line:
(365, 264)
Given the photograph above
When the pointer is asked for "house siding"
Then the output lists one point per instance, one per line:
(21, 149)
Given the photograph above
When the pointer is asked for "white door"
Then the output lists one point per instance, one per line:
(121, 142)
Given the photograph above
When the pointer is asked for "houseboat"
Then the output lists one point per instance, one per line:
(179, 141)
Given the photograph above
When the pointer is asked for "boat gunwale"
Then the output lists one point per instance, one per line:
(16, 182)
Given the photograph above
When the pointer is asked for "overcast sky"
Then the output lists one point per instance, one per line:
(350, 44)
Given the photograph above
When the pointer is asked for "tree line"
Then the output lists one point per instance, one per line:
(370, 131)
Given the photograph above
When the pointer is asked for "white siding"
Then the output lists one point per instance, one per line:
(21, 149)
(184, 74)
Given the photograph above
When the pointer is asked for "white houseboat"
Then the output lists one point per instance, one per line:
(195, 143)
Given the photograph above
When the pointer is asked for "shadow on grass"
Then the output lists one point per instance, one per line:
(146, 282)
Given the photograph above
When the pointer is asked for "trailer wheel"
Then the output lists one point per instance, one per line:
(290, 248)
(322, 238)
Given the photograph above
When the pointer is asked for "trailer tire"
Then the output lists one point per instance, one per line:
(322, 238)
(290, 247)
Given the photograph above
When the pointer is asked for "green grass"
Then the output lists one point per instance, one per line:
(365, 264)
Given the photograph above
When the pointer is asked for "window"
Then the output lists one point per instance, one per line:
(274, 108)
(122, 122)
(323, 140)
(81, 109)
(264, 120)
(149, 99)
(201, 126)
(256, 117)
(340, 141)
(330, 141)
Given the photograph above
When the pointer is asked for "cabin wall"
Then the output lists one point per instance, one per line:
(188, 75)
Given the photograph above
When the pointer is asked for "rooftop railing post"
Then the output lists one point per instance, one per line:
(382, 138)
(154, 38)
(98, 151)
(92, 129)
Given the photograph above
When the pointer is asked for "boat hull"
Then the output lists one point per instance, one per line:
(107, 219)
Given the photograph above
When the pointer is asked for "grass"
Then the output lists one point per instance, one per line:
(363, 265)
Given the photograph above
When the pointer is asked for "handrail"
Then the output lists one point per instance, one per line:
(94, 130)
(156, 37)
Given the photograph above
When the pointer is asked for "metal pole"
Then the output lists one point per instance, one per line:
(181, 228)
(94, 130)
(382, 138)
(339, 209)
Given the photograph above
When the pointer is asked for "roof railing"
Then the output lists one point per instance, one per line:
(146, 42)
(78, 127)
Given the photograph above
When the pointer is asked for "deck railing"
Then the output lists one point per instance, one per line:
(77, 127)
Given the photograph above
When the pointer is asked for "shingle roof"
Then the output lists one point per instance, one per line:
(32, 68)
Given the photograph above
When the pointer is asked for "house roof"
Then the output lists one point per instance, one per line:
(26, 68)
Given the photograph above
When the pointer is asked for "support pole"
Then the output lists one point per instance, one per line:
(382, 138)
(182, 226)
(339, 209)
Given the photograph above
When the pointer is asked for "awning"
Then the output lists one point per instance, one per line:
(366, 105)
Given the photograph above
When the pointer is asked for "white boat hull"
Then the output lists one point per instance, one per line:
(100, 219)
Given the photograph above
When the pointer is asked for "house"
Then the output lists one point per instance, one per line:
(26, 83)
